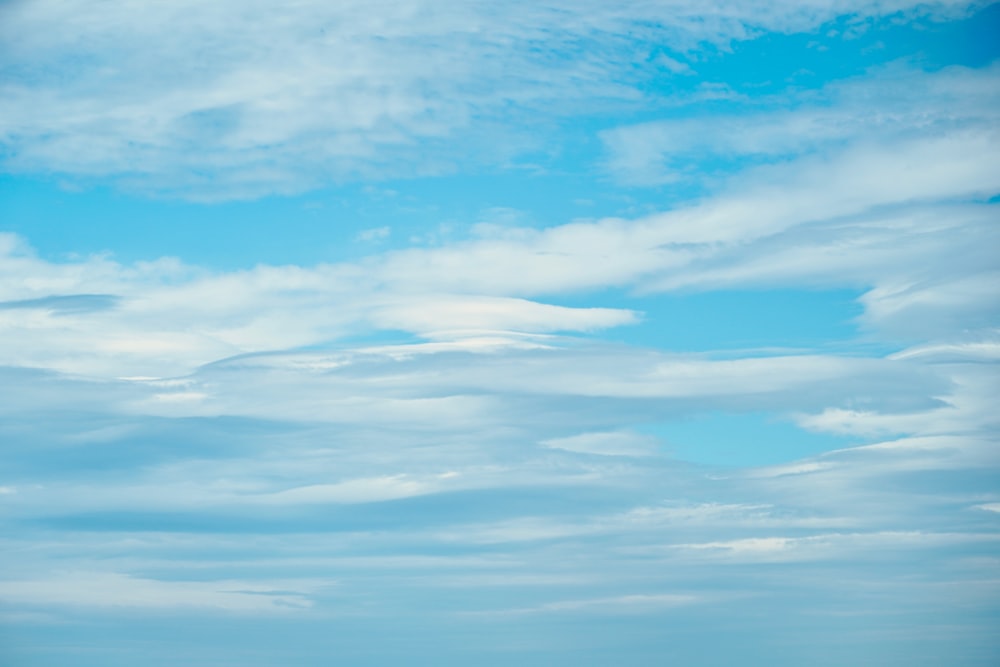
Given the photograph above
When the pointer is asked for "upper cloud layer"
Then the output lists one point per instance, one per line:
(245, 99)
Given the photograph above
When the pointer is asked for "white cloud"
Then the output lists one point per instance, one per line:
(430, 315)
(854, 546)
(358, 490)
(374, 234)
(111, 589)
(909, 103)
(244, 99)
(965, 409)
(167, 318)
(621, 604)
(456, 386)
(616, 443)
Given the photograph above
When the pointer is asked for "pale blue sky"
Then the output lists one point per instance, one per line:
(548, 333)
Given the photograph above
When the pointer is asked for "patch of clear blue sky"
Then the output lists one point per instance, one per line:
(776, 63)
(734, 319)
(315, 227)
(742, 439)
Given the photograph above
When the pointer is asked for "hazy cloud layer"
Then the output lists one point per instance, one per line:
(459, 438)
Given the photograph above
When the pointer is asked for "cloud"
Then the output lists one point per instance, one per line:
(770, 129)
(244, 99)
(374, 234)
(458, 387)
(168, 318)
(622, 604)
(72, 303)
(359, 490)
(448, 313)
(114, 590)
(621, 443)
(829, 546)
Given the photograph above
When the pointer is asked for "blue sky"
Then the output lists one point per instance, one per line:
(548, 333)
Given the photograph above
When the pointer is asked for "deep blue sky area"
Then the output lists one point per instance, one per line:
(538, 333)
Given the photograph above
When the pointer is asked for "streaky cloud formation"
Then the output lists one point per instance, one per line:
(649, 333)
(254, 97)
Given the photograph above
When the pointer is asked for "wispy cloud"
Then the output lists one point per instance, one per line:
(911, 103)
(108, 589)
(203, 101)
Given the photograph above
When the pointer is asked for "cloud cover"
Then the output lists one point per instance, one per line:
(248, 98)
(448, 439)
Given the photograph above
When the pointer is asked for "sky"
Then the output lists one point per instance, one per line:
(550, 333)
